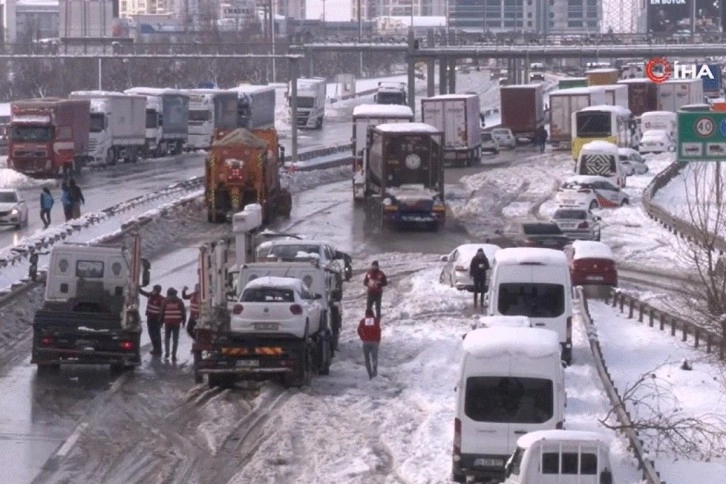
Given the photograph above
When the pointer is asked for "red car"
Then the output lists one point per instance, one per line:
(591, 263)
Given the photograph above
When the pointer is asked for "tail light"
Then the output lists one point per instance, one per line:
(237, 309)
(296, 309)
(584, 190)
(583, 225)
(459, 268)
(457, 439)
(127, 345)
(46, 341)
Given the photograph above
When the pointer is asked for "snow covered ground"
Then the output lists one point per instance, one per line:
(695, 394)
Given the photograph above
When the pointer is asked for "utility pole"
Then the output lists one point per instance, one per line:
(294, 69)
(360, 38)
(272, 37)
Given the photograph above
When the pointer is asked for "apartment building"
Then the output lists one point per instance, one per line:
(371, 9)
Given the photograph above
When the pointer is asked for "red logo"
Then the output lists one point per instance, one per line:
(658, 70)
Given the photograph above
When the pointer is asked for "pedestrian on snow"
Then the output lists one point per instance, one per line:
(153, 317)
(478, 272)
(369, 330)
(375, 280)
(67, 202)
(542, 136)
(76, 198)
(193, 298)
(46, 203)
(173, 315)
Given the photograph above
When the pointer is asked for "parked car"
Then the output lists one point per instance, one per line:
(655, 141)
(591, 263)
(632, 162)
(545, 235)
(488, 143)
(13, 208)
(591, 192)
(292, 249)
(504, 137)
(577, 223)
(455, 272)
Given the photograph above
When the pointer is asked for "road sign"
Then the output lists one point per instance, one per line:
(701, 136)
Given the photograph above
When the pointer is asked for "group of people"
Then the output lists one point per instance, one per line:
(170, 313)
(71, 199)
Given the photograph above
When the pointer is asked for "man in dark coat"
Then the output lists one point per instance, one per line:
(76, 198)
(478, 272)
(542, 138)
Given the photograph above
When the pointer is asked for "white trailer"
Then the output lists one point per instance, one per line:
(617, 95)
(565, 102)
(255, 106)
(117, 130)
(366, 115)
(211, 111)
(458, 117)
(311, 94)
(675, 93)
(167, 119)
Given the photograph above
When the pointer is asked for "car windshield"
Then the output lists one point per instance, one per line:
(575, 185)
(268, 294)
(509, 399)
(486, 136)
(533, 300)
(289, 252)
(570, 214)
(541, 229)
(8, 197)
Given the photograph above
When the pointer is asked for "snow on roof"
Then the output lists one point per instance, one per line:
(600, 145)
(467, 251)
(505, 321)
(626, 151)
(407, 128)
(274, 281)
(418, 21)
(96, 94)
(411, 193)
(206, 91)
(601, 70)
(587, 179)
(523, 86)
(241, 135)
(530, 438)
(607, 107)
(612, 87)
(576, 91)
(589, 249)
(452, 96)
(498, 341)
(654, 133)
(4, 109)
(529, 255)
(683, 81)
(382, 111)
(251, 88)
(154, 91)
(636, 80)
(302, 243)
(649, 114)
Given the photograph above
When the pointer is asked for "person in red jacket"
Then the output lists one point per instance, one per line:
(369, 330)
(375, 280)
(173, 315)
(193, 298)
(153, 317)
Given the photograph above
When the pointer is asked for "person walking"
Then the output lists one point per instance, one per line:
(194, 307)
(542, 136)
(375, 280)
(369, 330)
(153, 317)
(478, 272)
(46, 203)
(67, 202)
(173, 315)
(76, 198)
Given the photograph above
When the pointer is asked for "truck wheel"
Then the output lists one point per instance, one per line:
(319, 123)
(111, 157)
(48, 367)
(118, 368)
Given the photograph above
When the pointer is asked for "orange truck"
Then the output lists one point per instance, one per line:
(242, 168)
(602, 77)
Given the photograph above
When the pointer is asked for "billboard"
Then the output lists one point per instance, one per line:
(668, 17)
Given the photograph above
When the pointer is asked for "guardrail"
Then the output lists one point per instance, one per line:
(321, 152)
(689, 332)
(647, 466)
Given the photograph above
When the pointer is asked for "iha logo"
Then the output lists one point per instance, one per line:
(659, 70)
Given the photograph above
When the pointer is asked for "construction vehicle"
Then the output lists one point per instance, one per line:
(404, 173)
(91, 309)
(226, 351)
(243, 168)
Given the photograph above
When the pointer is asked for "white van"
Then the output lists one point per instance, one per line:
(511, 382)
(561, 457)
(659, 120)
(601, 158)
(534, 282)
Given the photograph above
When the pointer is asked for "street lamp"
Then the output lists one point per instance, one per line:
(324, 30)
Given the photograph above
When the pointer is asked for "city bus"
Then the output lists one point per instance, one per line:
(607, 123)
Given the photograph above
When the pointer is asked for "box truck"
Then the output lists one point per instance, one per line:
(457, 116)
(675, 93)
(616, 95)
(311, 93)
(602, 77)
(522, 108)
(642, 95)
(563, 103)
(167, 120)
(255, 106)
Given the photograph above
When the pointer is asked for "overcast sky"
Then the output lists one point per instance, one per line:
(334, 9)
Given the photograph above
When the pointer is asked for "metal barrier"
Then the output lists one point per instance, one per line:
(647, 466)
(321, 152)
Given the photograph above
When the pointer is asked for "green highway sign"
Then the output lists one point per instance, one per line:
(701, 136)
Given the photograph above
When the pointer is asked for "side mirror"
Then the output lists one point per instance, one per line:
(145, 272)
(444, 258)
(508, 469)
(606, 477)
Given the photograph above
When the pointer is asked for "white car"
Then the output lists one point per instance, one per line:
(504, 137)
(632, 162)
(296, 250)
(591, 192)
(455, 272)
(655, 141)
(13, 209)
(488, 143)
(280, 305)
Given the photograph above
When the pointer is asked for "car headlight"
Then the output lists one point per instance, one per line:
(208, 354)
(387, 201)
(14, 211)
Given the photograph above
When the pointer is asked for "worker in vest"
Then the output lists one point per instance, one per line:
(173, 315)
(153, 317)
(193, 298)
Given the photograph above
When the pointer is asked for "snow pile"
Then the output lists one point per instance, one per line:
(13, 179)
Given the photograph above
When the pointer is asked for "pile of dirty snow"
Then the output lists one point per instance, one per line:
(12, 179)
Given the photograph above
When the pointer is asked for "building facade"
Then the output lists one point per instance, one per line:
(287, 8)
(24, 21)
(371, 9)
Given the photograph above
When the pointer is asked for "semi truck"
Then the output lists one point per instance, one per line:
(255, 106)
(244, 168)
(522, 108)
(117, 126)
(365, 116)
(390, 93)
(212, 114)
(49, 136)
(458, 117)
(673, 94)
(167, 120)
(616, 95)
(602, 77)
(570, 82)
(404, 176)
(91, 310)
(642, 95)
(311, 94)
(563, 103)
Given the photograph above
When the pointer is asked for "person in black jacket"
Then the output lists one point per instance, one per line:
(76, 197)
(478, 271)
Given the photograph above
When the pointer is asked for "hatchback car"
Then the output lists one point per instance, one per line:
(13, 209)
(455, 272)
(504, 137)
(632, 162)
(591, 263)
(545, 235)
(655, 141)
(591, 192)
(488, 143)
(577, 223)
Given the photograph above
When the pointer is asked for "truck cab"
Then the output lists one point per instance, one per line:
(311, 96)
(390, 93)
(212, 114)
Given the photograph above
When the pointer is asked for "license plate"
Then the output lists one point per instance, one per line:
(247, 363)
(595, 278)
(267, 326)
(484, 462)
